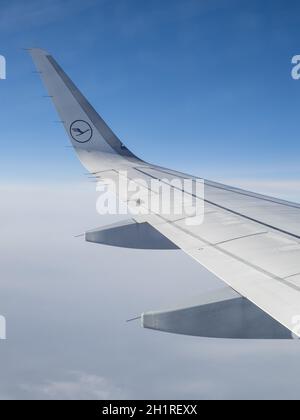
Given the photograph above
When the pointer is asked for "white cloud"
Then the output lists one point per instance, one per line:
(66, 303)
(77, 386)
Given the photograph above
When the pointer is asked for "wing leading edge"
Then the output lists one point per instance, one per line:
(250, 241)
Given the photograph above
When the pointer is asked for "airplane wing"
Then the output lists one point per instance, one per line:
(248, 240)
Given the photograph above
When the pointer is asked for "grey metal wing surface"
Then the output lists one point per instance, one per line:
(250, 241)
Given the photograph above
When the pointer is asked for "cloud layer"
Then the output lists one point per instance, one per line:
(66, 302)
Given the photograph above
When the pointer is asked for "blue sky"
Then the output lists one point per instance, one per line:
(200, 86)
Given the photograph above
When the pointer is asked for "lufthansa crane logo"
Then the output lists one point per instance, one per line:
(81, 131)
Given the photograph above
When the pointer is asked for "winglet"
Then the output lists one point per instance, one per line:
(84, 126)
